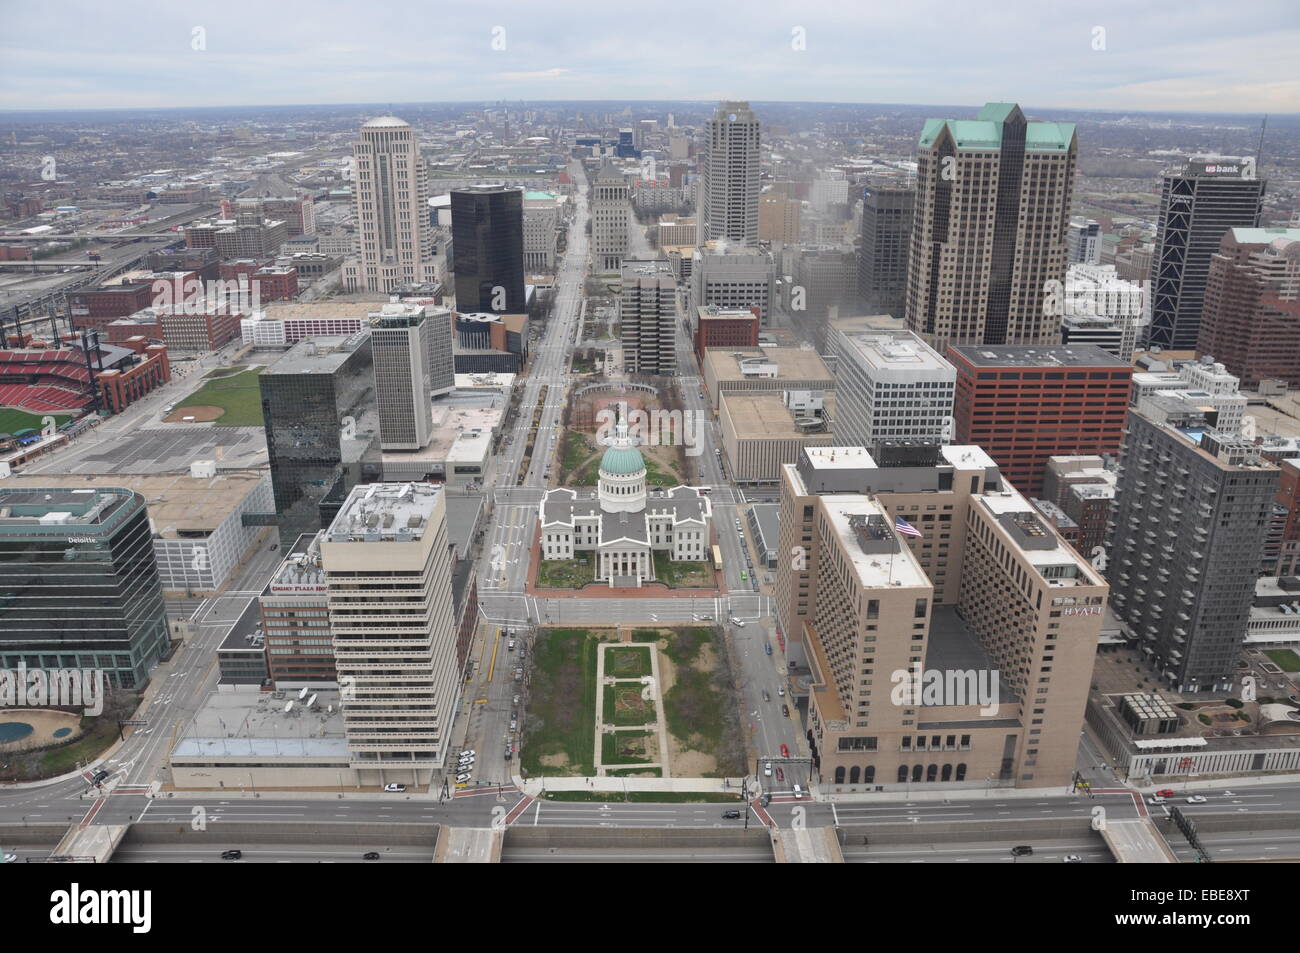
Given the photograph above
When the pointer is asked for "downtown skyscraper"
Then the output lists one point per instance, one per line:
(487, 238)
(992, 215)
(395, 241)
(1197, 206)
(729, 175)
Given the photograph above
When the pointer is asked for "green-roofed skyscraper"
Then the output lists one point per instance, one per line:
(992, 216)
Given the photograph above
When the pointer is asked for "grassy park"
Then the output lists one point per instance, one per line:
(235, 392)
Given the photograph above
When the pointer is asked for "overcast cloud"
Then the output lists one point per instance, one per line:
(1189, 55)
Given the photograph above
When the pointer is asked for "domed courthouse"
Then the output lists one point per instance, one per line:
(623, 523)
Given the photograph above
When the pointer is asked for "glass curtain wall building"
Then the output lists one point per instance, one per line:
(79, 584)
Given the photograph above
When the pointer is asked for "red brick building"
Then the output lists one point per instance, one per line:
(1288, 496)
(715, 327)
(119, 388)
(265, 280)
(1251, 321)
(1023, 404)
(98, 306)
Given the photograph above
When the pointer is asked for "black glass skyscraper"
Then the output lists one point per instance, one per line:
(79, 584)
(322, 430)
(1197, 207)
(487, 230)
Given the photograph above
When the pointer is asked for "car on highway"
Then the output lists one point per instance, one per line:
(1021, 850)
(767, 696)
(1167, 792)
(781, 690)
(731, 815)
(744, 576)
(100, 776)
(765, 800)
(370, 855)
(1072, 859)
(780, 774)
(785, 751)
(785, 710)
(394, 788)
(767, 647)
(767, 769)
(9, 859)
(1197, 799)
(738, 623)
(231, 854)
(510, 646)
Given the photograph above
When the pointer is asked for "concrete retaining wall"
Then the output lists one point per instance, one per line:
(230, 834)
(32, 835)
(647, 838)
(1012, 832)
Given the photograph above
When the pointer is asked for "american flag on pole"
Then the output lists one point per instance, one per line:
(907, 529)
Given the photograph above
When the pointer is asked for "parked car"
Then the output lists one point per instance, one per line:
(370, 855)
(231, 854)
(462, 778)
(394, 788)
(1021, 850)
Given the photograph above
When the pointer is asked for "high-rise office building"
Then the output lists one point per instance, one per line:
(992, 211)
(609, 218)
(647, 314)
(322, 429)
(733, 276)
(1192, 505)
(884, 249)
(1025, 404)
(938, 630)
(79, 583)
(825, 280)
(1084, 242)
(487, 232)
(778, 218)
(1098, 307)
(729, 175)
(891, 386)
(387, 560)
(1252, 305)
(400, 348)
(1197, 206)
(395, 238)
(440, 331)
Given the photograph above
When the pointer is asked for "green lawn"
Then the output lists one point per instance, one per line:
(625, 747)
(628, 661)
(1285, 659)
(682, 575)
(566, 574)
(562, 703)
(624, 705)
(573, 450)
(13, 420)
(237, 393)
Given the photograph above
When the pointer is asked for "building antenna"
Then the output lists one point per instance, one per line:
(1259, 151)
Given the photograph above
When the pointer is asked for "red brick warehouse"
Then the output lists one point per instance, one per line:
(1023, 404)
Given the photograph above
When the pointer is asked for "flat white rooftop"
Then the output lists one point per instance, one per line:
(385, 511)
(875, 570)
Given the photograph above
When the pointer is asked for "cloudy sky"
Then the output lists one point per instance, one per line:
(1203, 55)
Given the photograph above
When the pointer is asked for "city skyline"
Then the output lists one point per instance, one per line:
(1198, 57)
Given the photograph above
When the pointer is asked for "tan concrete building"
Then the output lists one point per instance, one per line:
(952, 648)
(993, 202)
(391, 616)
(770, 369)
(778, 217)
(761, 431)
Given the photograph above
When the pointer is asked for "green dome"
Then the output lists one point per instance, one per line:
(623, 461)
